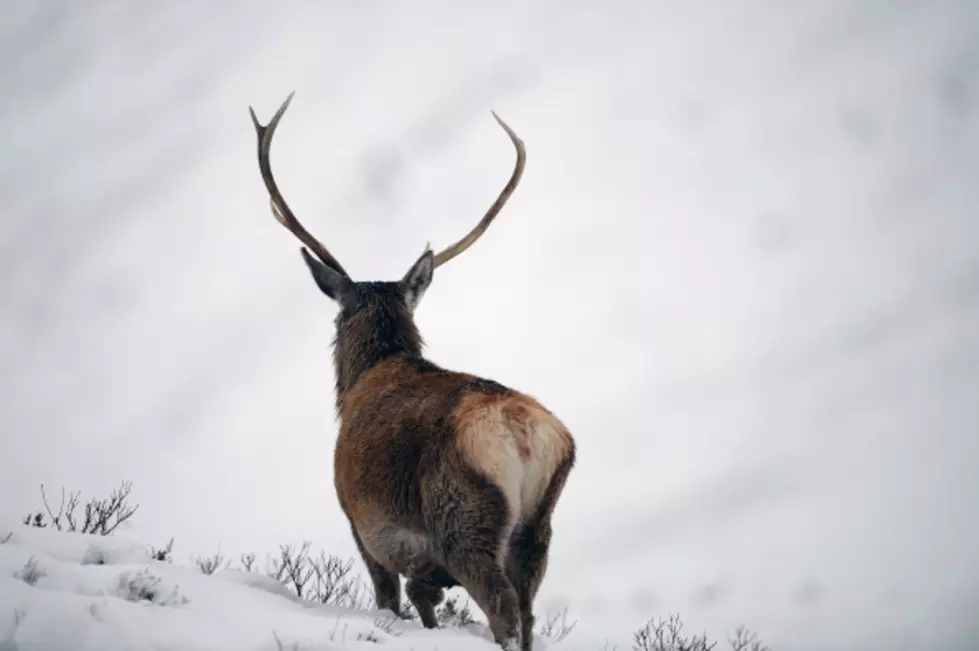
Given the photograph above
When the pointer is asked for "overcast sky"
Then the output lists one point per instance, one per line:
(742, 266)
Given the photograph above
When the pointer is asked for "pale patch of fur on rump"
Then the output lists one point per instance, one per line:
(514, 442)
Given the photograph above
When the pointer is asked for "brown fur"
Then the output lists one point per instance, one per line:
(446, 478)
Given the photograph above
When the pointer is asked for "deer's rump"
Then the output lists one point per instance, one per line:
(429, 456)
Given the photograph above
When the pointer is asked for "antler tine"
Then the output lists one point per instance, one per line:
(473, 235)
(280, 209)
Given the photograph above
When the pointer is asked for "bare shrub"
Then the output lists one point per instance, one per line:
(386, 624)
(162, 554)
(555, 626)
(211, 564)
(369, 636)
(744, 640)
(30, 573)
(144, 586)
(659, 634)
(248, 562)
(7, 641)
(322, 578)
(282, 647)
(293, 568)
(449, 614)
(99, 517)
(317, 577)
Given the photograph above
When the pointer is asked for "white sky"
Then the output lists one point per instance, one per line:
(743, 266)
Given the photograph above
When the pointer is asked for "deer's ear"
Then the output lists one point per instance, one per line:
(333, 284)
(417, 280)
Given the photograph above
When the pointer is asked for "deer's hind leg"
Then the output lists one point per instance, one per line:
(425, 597)
(527, 553)
(474, 520)
(426, 590)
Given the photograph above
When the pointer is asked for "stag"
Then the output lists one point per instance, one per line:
(446, 478)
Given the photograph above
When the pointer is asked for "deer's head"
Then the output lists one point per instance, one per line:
(373, 314)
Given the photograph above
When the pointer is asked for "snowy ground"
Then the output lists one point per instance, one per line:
(78, 592)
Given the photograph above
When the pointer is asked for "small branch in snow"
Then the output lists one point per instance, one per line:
(248, 562)
(745, 640)
(30, 573)
(281, 647)
(144, 586)
(555, 626)
(162, 554)
(211, 564)
(7, 644)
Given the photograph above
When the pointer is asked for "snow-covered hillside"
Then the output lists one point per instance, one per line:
(68, 591)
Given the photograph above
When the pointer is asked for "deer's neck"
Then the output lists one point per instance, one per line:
(372, 339)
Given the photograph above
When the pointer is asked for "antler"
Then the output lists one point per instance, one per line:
(473, 235)
(280, 209)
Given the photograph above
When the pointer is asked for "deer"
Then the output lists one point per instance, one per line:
(445, 478)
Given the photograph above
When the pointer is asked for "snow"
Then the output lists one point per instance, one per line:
(62, 590)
